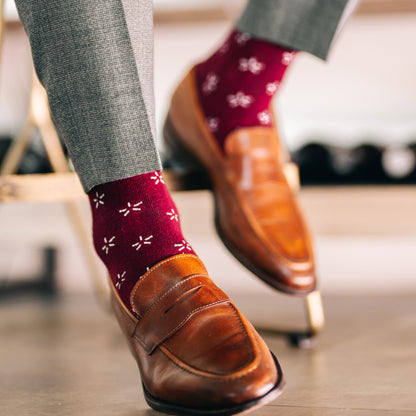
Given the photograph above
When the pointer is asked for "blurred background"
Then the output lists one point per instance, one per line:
(350, 124)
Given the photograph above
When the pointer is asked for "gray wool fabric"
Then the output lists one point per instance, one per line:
(304, 25)
(95, 60)
(96, 66)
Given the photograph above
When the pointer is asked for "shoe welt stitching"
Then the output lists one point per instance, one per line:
(174, 330)
(226, 377)
(178, 284)
(154, 268)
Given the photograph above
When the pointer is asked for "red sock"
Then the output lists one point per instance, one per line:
(135, 226)
(238, 81)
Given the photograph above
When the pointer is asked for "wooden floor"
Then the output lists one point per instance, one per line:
(68, 358)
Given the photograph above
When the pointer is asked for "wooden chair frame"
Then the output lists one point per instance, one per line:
(61, 185)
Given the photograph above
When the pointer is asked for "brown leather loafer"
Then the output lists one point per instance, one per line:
(257, 215)
(196, 353)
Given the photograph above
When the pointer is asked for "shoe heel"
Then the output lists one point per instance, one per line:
(183, 170)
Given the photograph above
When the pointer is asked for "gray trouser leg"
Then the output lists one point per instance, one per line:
(304, 25)
(95, 59)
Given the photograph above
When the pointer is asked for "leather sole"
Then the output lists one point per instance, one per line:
(186, 164)
(173, 409)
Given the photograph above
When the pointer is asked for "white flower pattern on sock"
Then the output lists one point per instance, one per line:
(126, 211)
(120, 280)
(265, 118)
(213, 123)
(287, 57)
(239, 99)
(98, 199)
(272, 87)
(108, 243)
(173, 215)
(158, 178)
(242, 38)
(252, 65)
(142, 241)
(210, 84)
(183, 245)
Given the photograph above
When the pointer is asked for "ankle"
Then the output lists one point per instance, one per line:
(238, 82)
(135, 226)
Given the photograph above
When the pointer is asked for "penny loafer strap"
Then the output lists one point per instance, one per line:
(175, 307)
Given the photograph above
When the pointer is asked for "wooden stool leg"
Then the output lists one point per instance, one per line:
(2, 23)
(20, 144)
(17, 150)
(39, 117)
(84, 238)
(314, 312)
(40, 113)
(53, 146)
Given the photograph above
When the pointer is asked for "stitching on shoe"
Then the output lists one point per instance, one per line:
(195, 311)
(237, 314)
(154, 268)
(224, 378)
(178, 284)
(200, 373)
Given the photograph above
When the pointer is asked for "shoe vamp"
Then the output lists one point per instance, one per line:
(275, 214)
(213, 341)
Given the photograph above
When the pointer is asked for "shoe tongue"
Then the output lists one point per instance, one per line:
(161, 278)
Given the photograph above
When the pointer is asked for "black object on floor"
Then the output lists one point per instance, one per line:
(34, 160)
(44, 285)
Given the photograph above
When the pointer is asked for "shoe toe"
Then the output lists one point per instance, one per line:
(231, 369)
(197, 354)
